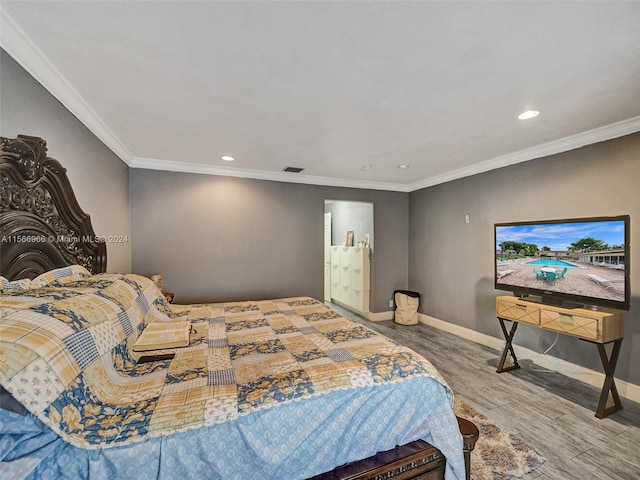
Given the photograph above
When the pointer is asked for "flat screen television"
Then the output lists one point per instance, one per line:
(569, 262)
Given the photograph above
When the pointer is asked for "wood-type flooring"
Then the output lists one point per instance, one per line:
(553, 413)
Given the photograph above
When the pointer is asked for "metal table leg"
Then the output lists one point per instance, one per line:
(609, 365)
(508, 347)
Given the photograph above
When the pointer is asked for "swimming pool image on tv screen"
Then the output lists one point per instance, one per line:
(551, 262)
(580, 259)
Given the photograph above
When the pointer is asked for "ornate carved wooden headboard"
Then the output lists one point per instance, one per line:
(42, 227)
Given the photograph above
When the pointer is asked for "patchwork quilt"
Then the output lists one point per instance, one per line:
(66, 355)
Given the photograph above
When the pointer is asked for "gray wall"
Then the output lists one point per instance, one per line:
(452, 262)
(217, 238)
(345, 216)
(99, 178)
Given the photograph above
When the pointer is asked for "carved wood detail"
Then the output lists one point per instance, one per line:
(41, 223)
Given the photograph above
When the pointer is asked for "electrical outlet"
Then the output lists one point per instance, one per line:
(391, 303)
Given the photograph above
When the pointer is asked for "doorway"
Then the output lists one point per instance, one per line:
(346, 223)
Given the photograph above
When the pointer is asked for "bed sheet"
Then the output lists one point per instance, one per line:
(295, 441)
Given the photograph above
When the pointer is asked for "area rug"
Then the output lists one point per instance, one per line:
(499, 455)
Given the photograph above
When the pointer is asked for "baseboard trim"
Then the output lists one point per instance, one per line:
(586, 375)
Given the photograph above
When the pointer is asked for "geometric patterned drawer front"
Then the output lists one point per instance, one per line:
(355, 280)
(351, 277)
(578, 325)
(600, 325)
(519, 312)
(356, 257)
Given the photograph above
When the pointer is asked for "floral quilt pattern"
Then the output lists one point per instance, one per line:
(66, 355)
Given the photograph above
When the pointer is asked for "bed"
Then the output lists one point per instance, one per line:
(278, 388)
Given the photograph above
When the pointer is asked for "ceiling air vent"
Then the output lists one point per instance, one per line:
(292, 169)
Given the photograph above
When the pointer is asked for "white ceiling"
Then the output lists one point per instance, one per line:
(334, 86)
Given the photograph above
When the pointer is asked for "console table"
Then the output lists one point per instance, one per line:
(595, 326)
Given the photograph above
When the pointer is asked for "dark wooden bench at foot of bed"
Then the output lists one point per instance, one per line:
(414, 461)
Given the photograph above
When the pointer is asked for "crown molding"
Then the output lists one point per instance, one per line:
(17, 44)
(600, 134)
(185, 167)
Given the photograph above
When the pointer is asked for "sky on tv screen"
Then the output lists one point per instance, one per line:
(558, 236)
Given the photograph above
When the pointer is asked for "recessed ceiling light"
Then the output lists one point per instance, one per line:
(227, 158)
(528, 114)
(403, 166)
